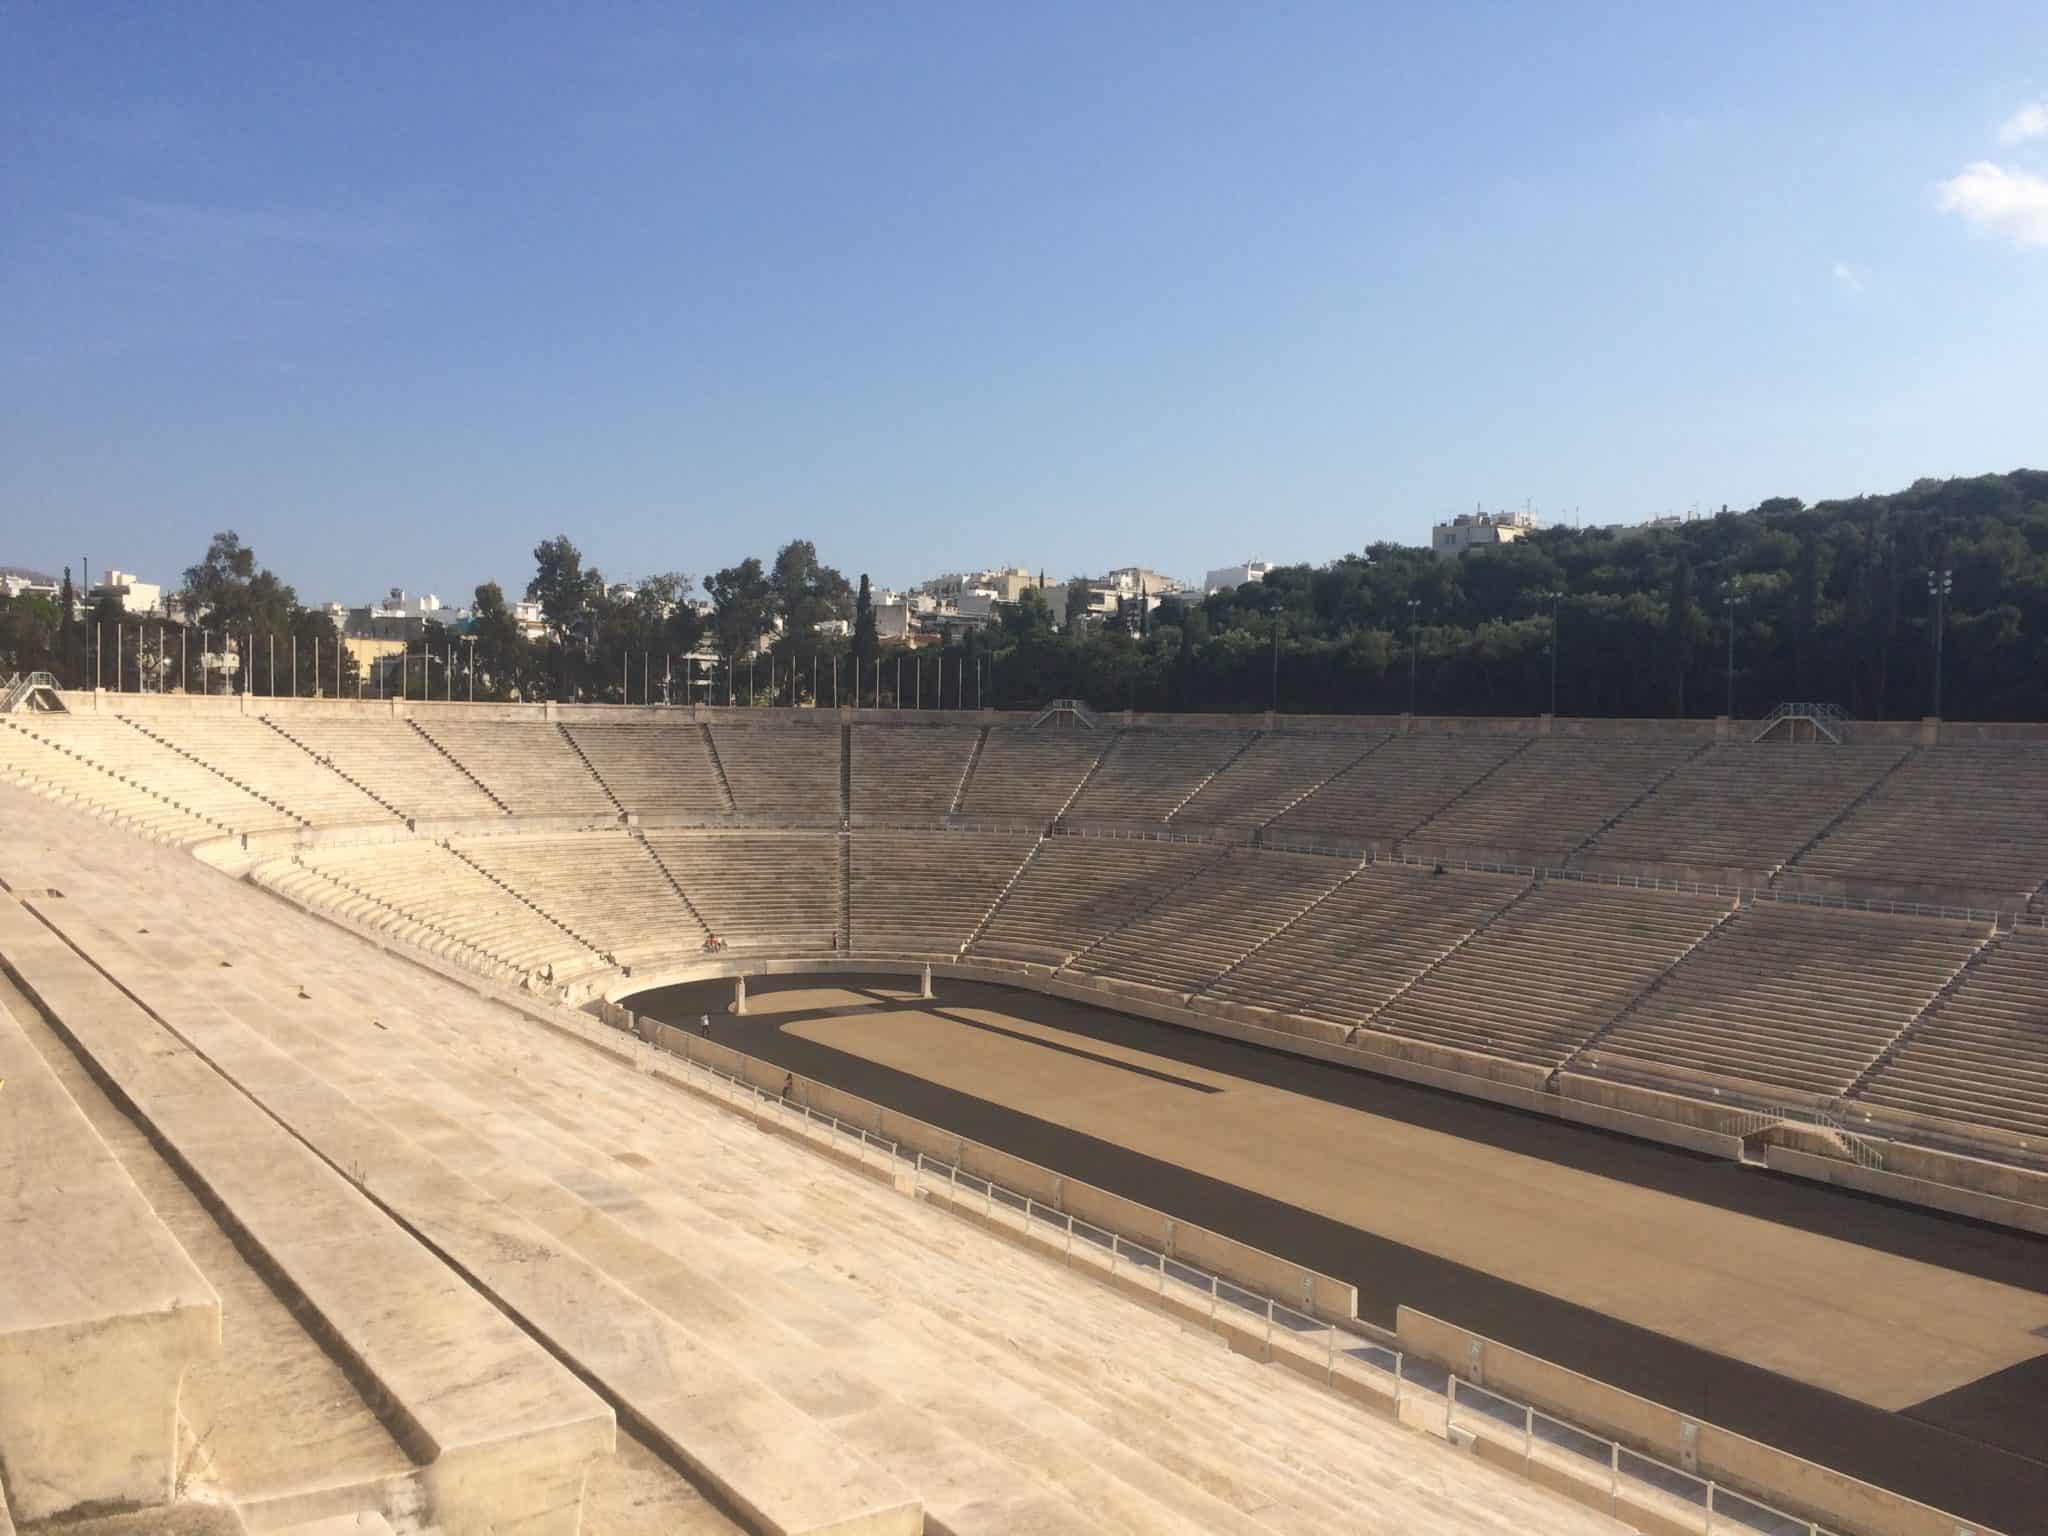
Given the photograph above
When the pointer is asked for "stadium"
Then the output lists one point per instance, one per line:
(533, 1118)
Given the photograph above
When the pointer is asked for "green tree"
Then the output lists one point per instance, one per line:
(565, 591)
(743, 606)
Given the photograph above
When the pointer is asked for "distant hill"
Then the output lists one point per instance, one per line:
(1834, 607)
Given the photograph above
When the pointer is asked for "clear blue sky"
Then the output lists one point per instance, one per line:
(398, 290)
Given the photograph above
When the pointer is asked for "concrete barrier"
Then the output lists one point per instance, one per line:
(1745, 1466)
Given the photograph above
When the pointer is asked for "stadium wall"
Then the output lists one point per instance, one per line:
(1925, 732)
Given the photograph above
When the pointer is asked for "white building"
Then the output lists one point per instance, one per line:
(135, 594)
(1479, 530)
(1005, 586)
(1230, 577)
(19, 581)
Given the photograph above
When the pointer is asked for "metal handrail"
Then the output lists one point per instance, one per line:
(21, 685)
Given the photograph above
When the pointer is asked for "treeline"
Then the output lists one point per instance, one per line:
(252, 635)
(1829, 603)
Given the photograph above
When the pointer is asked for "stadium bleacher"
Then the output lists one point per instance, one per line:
(1394, 790)
(1549, 969)
(1206, 926)
(1794, 998)
(910, 893)
(658, 772)
(1972, 819)
(531, 772)
(1275, 773)
(909, 770)
(1031, 774)
(1075, 891)
(1785, 1000)
(1980, 1057)
(758, 889)
(1157, 885)
(1147, 774)
(1366, 942)
(1545, 802)
(785, 771)
(1746, 807)
(392, 762)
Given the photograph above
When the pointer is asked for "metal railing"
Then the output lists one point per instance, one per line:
(21, 685)
(1828, 719)
(1065, 707)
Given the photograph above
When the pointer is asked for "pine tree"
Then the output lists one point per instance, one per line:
(864, 643)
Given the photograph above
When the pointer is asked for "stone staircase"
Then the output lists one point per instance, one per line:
(1984, 951)
(670, 876)
(844, 936)
(192, 757)
(1477, 929)
(526, 900)
(1648, 790)
(1258, 835)
(67, 792)
(718, 767)
(1473, 788)
(967, 773)
(584, 758)
(1274, 937)
(1139, 913)
(1087, 778)
(329, 765)
(1843, 815)
(988, 915)
(1209, 778)
(463, 768)
(1590, 1046)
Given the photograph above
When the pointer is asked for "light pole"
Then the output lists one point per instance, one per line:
(1554, 599)
(1735, 598)
(1414, 604)
(470, 641)
(1939, 584)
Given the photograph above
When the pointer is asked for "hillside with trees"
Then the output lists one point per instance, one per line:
(1828, 603)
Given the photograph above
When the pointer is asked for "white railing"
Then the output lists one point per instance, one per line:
(1828, 719)
(1059, 707)
(21, 685)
